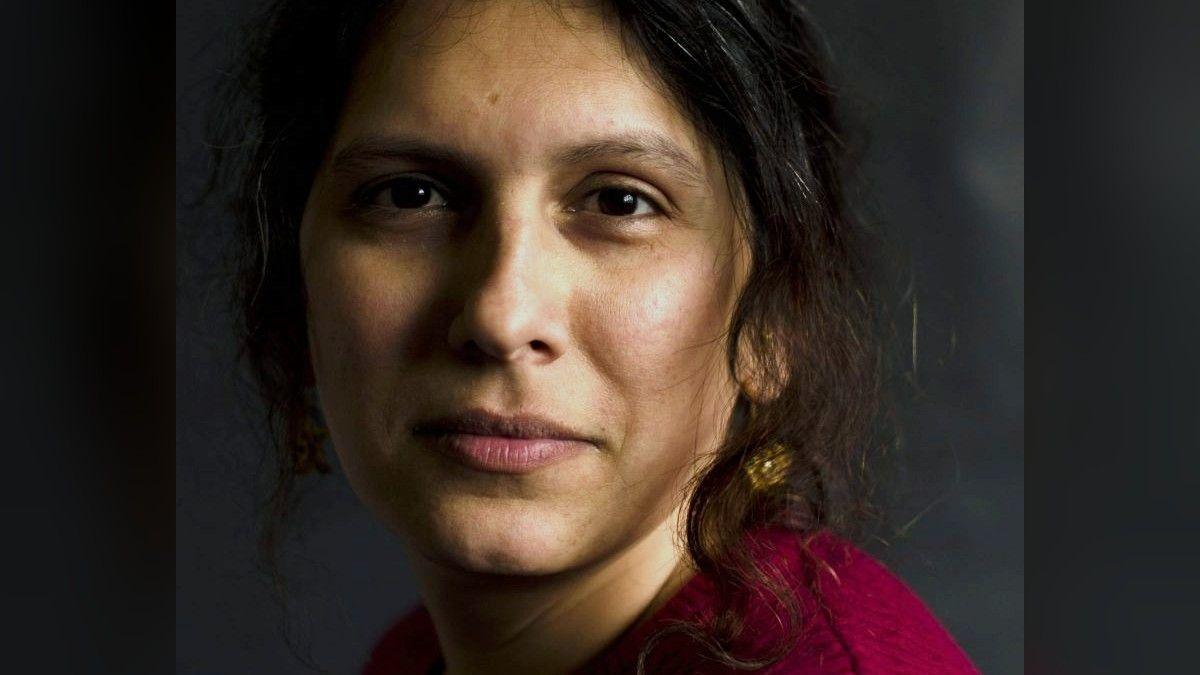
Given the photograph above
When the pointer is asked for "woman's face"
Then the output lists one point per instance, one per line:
(513, 218)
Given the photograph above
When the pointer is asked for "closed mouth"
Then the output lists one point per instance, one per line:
(500, 444)
(481, 422)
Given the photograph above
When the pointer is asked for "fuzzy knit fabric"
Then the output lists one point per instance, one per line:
(855, 617)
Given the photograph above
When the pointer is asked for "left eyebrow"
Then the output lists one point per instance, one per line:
(642, 145)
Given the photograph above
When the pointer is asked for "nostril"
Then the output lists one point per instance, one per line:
(539, 346)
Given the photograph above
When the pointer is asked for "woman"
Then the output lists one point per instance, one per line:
(572, 290)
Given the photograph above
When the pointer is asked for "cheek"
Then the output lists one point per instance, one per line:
(658, 337)
(664, 321)
(363, 327)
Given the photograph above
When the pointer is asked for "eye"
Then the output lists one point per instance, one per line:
(407, 192)
(620, 202)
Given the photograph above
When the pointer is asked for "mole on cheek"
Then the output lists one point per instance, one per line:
(492, 98)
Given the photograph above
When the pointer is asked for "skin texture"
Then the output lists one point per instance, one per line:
(518, 295)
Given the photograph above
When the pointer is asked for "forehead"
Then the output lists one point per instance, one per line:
(518, 79)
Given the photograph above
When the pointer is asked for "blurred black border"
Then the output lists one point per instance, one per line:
(1113, 103)
(88, 247)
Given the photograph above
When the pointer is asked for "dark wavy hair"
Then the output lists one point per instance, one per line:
(749, 75)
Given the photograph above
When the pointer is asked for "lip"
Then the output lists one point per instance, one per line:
(496, 443)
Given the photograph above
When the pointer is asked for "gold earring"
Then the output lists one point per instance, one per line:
(768, 469)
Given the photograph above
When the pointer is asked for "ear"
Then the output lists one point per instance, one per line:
(762, 364)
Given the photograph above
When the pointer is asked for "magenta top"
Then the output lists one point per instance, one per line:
(856, 617)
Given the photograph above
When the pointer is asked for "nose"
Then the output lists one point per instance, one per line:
(513, 295)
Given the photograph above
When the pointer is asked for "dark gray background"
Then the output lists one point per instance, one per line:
(939, 88)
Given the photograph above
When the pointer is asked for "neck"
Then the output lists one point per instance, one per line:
(550, 624)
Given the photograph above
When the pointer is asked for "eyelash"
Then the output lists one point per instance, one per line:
(366, 198)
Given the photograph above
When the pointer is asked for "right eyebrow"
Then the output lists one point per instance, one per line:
(374, 150)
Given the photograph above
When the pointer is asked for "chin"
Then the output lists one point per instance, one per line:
(501, 537)
(458, 520)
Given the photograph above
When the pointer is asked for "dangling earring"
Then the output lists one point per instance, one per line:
(768, 468)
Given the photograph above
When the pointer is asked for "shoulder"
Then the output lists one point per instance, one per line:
(858, 616)
(409, 646)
